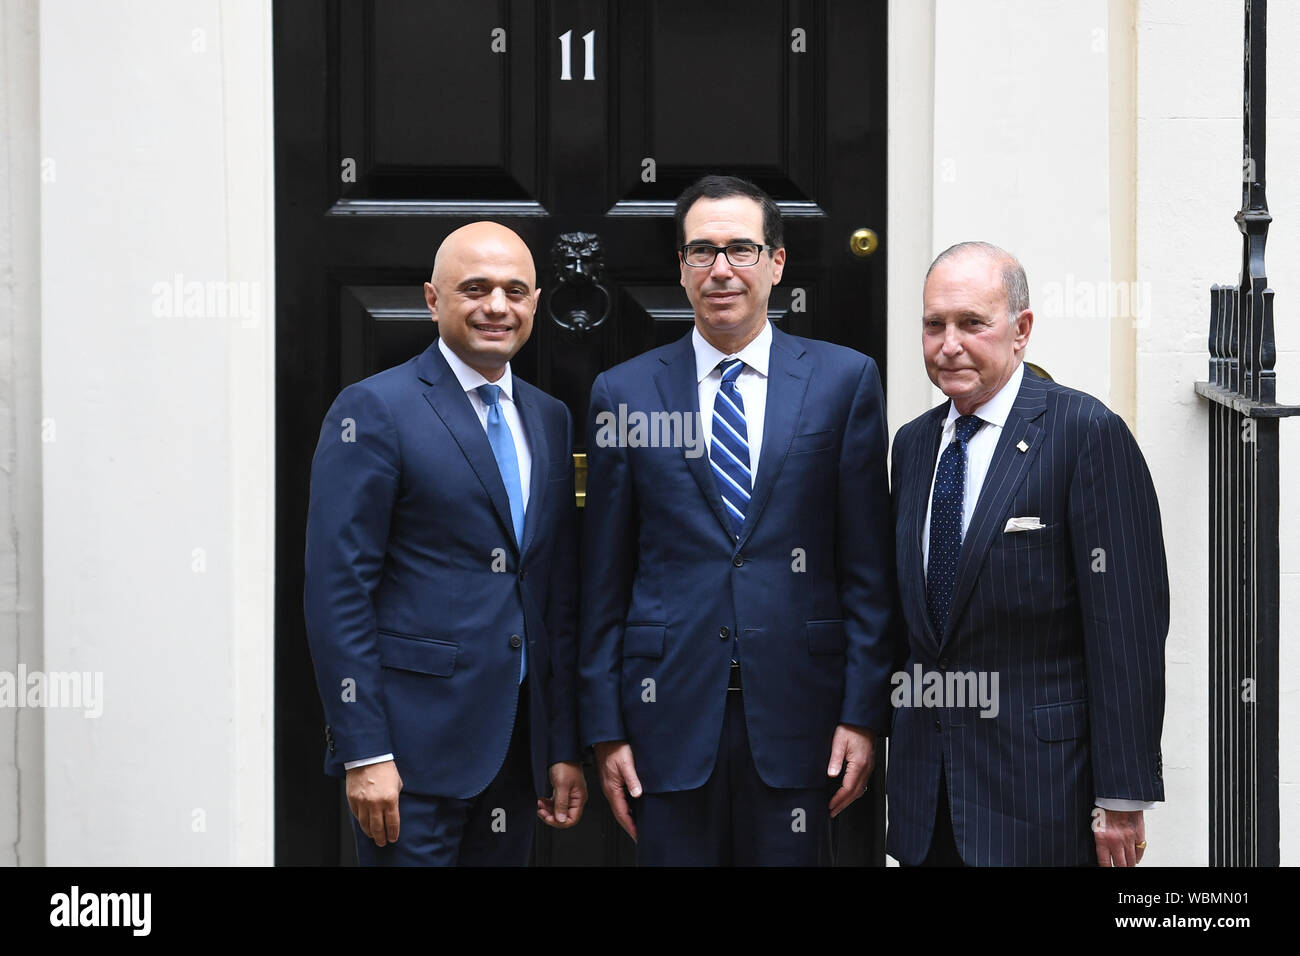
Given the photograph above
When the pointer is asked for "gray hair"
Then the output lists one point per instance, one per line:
(1014, 283)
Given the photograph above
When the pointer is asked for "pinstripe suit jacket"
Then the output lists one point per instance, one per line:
(1071, 618)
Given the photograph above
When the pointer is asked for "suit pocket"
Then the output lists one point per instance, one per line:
(559, 470)
(813, 441)
(644, 640)
(1066, 721)
(1035, 538)
(423, 655)
(825, 637)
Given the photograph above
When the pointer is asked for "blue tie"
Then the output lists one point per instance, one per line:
(945, 524)
(503, 447)
(729, 447)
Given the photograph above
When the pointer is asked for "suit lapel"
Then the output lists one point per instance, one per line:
(1006, 472)
(531, 415)
(679, 391)
(918, 485)
(787, 383)
(449, 400)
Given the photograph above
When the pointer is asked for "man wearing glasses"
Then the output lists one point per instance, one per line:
(734, 659)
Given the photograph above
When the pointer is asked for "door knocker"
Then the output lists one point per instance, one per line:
(578, 261)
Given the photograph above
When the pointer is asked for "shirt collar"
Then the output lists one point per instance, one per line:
(756, 354)
(996, 409)
(471, 378)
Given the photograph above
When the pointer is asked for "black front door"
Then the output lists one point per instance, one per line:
(398, 121)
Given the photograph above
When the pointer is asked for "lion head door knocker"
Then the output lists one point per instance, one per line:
(579, 301)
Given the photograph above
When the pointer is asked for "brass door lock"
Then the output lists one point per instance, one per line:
(863, 242)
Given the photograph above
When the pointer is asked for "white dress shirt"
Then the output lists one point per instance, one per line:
(979, 455)
(751, 383)
(470, 380)
(979, 452)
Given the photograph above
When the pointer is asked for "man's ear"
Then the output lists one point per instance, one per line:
(1024, 325)
(431, 299)
(681, 269)
(537, 299)
(778, 264)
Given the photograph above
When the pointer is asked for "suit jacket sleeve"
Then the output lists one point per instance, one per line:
(354, 483)
(1119, 559)
(609, 540)
(900, 642)
(865, 553)
(562, 621)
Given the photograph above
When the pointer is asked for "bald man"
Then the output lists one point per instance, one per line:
(440, 581)
(1035, 598)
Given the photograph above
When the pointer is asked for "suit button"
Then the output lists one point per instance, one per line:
(522, 574)
(938, 727)
(516, 641)
(724, 632)
(738, 561)
(943, 663)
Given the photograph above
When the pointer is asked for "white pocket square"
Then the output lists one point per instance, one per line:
(1022, 524)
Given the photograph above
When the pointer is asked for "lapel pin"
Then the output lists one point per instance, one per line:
(1022, 446)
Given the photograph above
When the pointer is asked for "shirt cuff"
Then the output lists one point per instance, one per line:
(353, 764)
(1110, 803)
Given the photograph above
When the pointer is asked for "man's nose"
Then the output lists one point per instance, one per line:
(721, 267)
(496, 302)
(951, 340)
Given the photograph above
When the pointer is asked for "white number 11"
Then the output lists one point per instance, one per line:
(589, 49)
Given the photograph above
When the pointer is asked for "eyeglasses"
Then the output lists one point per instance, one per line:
(702, 254)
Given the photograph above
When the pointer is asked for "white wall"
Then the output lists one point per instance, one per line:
(1000, 130)
(22, 778)
(910, 246)
(1189, 186)
(1021, 160)
(1036, 106)
(158, 563)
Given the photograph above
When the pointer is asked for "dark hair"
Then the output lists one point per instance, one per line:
(1014, 283)
(724, 187)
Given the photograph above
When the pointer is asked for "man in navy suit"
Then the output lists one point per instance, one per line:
(1030, 564)
(440, 581)
(734, 655)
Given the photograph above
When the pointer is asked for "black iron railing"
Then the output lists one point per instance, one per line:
(1244, 562)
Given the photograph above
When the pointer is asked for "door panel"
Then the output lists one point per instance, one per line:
(399, 121)
(429, 110)
(717, 86)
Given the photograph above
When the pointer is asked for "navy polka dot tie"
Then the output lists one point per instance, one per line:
(945, 523)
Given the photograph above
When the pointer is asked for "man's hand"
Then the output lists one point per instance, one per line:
(853, 749)
(1117, 834)
(563, 808)
(614, 758)
(372, 795)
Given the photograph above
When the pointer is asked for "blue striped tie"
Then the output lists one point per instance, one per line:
(503, 447)
(729, 449)
(945, 523)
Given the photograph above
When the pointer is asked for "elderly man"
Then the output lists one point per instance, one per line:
(734, 644)
(440, 594)
(1030, 564)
